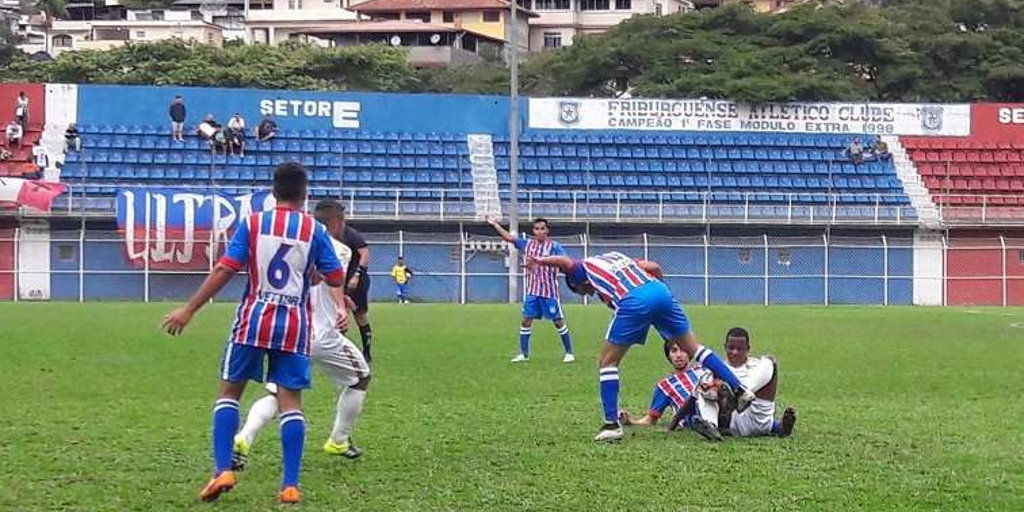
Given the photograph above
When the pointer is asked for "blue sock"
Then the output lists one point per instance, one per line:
(566, 339)
(524, 340)
(776, 427)
(293, 435)
(711, 361)
(225, 425)
(609, 377)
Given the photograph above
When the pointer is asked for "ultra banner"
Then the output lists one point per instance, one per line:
(178, 229)
(721, 115)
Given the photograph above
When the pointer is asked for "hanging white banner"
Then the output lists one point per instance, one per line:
(722, 116)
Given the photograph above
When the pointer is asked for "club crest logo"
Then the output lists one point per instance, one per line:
(931, 118)
(568, 112)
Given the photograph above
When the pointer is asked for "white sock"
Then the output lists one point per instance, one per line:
(261, 412)
(350, 404)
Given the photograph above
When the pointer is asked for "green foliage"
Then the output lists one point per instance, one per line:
(288, 66)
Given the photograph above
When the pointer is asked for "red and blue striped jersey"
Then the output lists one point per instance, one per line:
(541, 281)
(281, 247)
(677, 389)
(613, 275)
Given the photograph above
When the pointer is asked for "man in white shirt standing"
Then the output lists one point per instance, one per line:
(760, 375)
(41, 159)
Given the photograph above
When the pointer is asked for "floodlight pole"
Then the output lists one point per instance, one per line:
(513, 146)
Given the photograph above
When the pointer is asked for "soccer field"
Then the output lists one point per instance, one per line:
(899, 409)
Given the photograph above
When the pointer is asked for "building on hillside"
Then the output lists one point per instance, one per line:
(10, 12)
(63, 35)
(427, 44)
(484, 18)
(271, 21)
(31, 33)
(228, 14)
(560, 21)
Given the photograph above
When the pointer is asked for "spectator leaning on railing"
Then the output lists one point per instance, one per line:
(72, 139)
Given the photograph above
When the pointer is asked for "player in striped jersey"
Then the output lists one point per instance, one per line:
(632, 288)
(542, 298)
(281, 248)
(690, 390)
(336, 355)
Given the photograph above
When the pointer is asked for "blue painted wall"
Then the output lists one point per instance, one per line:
(296, 110)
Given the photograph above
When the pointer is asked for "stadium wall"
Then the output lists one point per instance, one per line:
(118, 105)
(985, 268)
(37, 103)
(8, 262)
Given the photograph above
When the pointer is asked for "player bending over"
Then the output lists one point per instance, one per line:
(640, 300)
(542, 297)
(336, 355)
(279, 247)
(761, 375)
(690, 390)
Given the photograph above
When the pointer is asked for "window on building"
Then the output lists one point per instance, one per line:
(393, 16)
(552, 39)
(492, 16)
(448, 17)
(62, 41)
(525, 4)
(295, 4)
(423, 17)
(140, 34)
(553, 5)
(623, 5)
(209, 38)
(261, 35)
(657, 10)
(595, 5)
(1020, 256)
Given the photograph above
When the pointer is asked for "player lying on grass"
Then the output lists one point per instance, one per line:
(632, 288)
(335, 354)
(761, 375)
(690, 390)
(280, 248)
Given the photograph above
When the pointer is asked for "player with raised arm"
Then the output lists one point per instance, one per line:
(634, 291)
(280, 248)
(542, 298)
(336, 355)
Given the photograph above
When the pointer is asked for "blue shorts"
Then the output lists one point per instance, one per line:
(245, 362)
(651, 304)
(402, 289)
(536, 307)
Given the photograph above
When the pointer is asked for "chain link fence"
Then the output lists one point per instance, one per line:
(466, 266)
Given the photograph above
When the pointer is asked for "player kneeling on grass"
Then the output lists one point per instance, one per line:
(335, 354)
(634, 290)
(692, 392)
(761, 375)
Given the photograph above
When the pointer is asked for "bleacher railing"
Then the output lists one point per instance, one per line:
(707, 206)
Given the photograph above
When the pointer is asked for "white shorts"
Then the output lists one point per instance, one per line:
(339, 359)
(756, 420)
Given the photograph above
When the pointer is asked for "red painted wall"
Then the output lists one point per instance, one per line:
(974, 269)
(6, 261)
(37, 104)
(998, 122)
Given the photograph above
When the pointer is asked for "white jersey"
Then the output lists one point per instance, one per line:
(325, 309)
(755, 373)
(757, 419)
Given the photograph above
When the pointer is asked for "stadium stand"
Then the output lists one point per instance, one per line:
(21, 159)
(770, 172)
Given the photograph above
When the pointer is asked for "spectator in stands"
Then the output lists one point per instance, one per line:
(236, 134)
(881, 150)
(267, 129)
(207, 130)
(4, 154)
(21, 110)
(72, 139)
(177, 113)
(41, 159)
(855, 151)
(14, 133)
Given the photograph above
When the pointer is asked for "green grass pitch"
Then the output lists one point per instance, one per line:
(900, 409)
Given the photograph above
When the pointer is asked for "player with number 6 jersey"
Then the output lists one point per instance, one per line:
(280, 250)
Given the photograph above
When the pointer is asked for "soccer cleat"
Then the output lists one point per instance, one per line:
(788, 422)
(346, 449)
(218, 485)
(744, 399)
(521, 359)
(705, 429)
(569, 358)
(240, 454)
(609, 432)
(290, 495)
